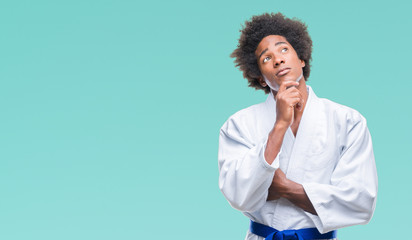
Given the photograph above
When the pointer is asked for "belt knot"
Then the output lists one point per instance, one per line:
(284, 235)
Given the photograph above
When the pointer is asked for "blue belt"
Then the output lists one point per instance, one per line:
(301, 234)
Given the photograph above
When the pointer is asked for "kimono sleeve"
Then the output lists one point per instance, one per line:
(244, 174)
(350, 197)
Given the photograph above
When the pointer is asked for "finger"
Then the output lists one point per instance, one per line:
(292, 92)
(301, 103)
(293, 89)
(298, 106)
(293, 101)
(295, 93)
(284, 85)
(289, 94)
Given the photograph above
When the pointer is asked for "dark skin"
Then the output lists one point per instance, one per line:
(280, 66)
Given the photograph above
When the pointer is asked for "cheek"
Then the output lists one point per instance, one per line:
(298, 61)
(260, 68)
(263, 70)
(267, 67)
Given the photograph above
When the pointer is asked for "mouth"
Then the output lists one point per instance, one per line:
(283, 72)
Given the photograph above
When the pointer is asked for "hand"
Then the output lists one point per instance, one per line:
(287, 98)
(290, 190)
(278, 186)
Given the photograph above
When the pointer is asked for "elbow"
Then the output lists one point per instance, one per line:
(366, 216)
(370, 209)
(243, 190)
(371, 196)
(245, 206)
(240, 201)
(367, 208)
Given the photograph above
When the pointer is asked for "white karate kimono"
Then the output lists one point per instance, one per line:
(331, 156)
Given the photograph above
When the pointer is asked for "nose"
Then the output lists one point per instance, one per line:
(278, 60)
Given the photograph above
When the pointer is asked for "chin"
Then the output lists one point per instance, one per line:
(291, 78)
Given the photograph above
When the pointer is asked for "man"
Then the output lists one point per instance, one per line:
(298, 166)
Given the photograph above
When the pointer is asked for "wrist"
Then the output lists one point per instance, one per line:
(278, 132)
(285, 190)
(281, 126)
(290, 189)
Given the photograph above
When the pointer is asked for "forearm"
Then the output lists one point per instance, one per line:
(296, 194)
(274, 142)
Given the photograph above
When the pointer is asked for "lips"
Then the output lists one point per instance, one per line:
(282, 72)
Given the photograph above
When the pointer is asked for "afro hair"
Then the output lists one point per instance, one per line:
(264, 25)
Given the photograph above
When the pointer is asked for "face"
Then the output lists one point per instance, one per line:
(278, 62)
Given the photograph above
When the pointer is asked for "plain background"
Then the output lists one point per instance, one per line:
(110, 111)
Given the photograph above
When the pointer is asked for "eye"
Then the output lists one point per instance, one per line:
(266, 59)
(284, 50)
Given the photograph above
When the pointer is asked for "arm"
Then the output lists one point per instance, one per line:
(274, 142)
(247, 166)
(294, 192)
(281, 186)
(286, 100)
(244, 173)
(350, 197)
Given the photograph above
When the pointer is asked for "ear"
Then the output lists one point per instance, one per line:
(303, 63)
(262, 82)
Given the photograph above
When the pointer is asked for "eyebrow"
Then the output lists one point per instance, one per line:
(263, 52)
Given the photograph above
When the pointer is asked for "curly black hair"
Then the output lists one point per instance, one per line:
(264, 25)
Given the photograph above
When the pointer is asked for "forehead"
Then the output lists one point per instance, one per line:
(270, 40)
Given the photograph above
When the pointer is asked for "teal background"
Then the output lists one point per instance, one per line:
(110, 111)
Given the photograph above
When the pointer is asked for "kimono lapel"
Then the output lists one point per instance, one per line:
(308, 128)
